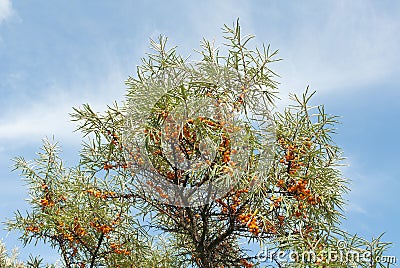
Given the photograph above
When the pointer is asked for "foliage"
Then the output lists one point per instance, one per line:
(9, 261)
(73, 212)
(196, 153)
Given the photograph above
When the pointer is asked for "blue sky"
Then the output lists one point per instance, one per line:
(58, 54)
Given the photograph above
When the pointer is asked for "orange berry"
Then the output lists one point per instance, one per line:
(44, 202)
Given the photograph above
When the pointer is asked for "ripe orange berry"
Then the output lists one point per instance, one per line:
(44, 202)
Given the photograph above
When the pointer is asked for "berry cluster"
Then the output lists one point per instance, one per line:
(276, 201)
(299, 188)
(102, 228)
(47, 200)
(115, 140)
(108, 166)
(33, 229)
(224, 148)
(300, 192)
(292, 158)
(100, 194)
(78, 229)
(250, 220)
(246, 263)
(228, 207)
(117, 248)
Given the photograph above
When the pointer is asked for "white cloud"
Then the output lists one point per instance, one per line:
(36, 121)
(49, 115)
(340, 45)
(350, 44)
(6, 10)
(333, 46)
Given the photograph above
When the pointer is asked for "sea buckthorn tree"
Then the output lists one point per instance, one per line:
(197, 153)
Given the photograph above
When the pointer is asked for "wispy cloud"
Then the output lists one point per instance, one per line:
(48, 115)
(340, 45)
(6, 10)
